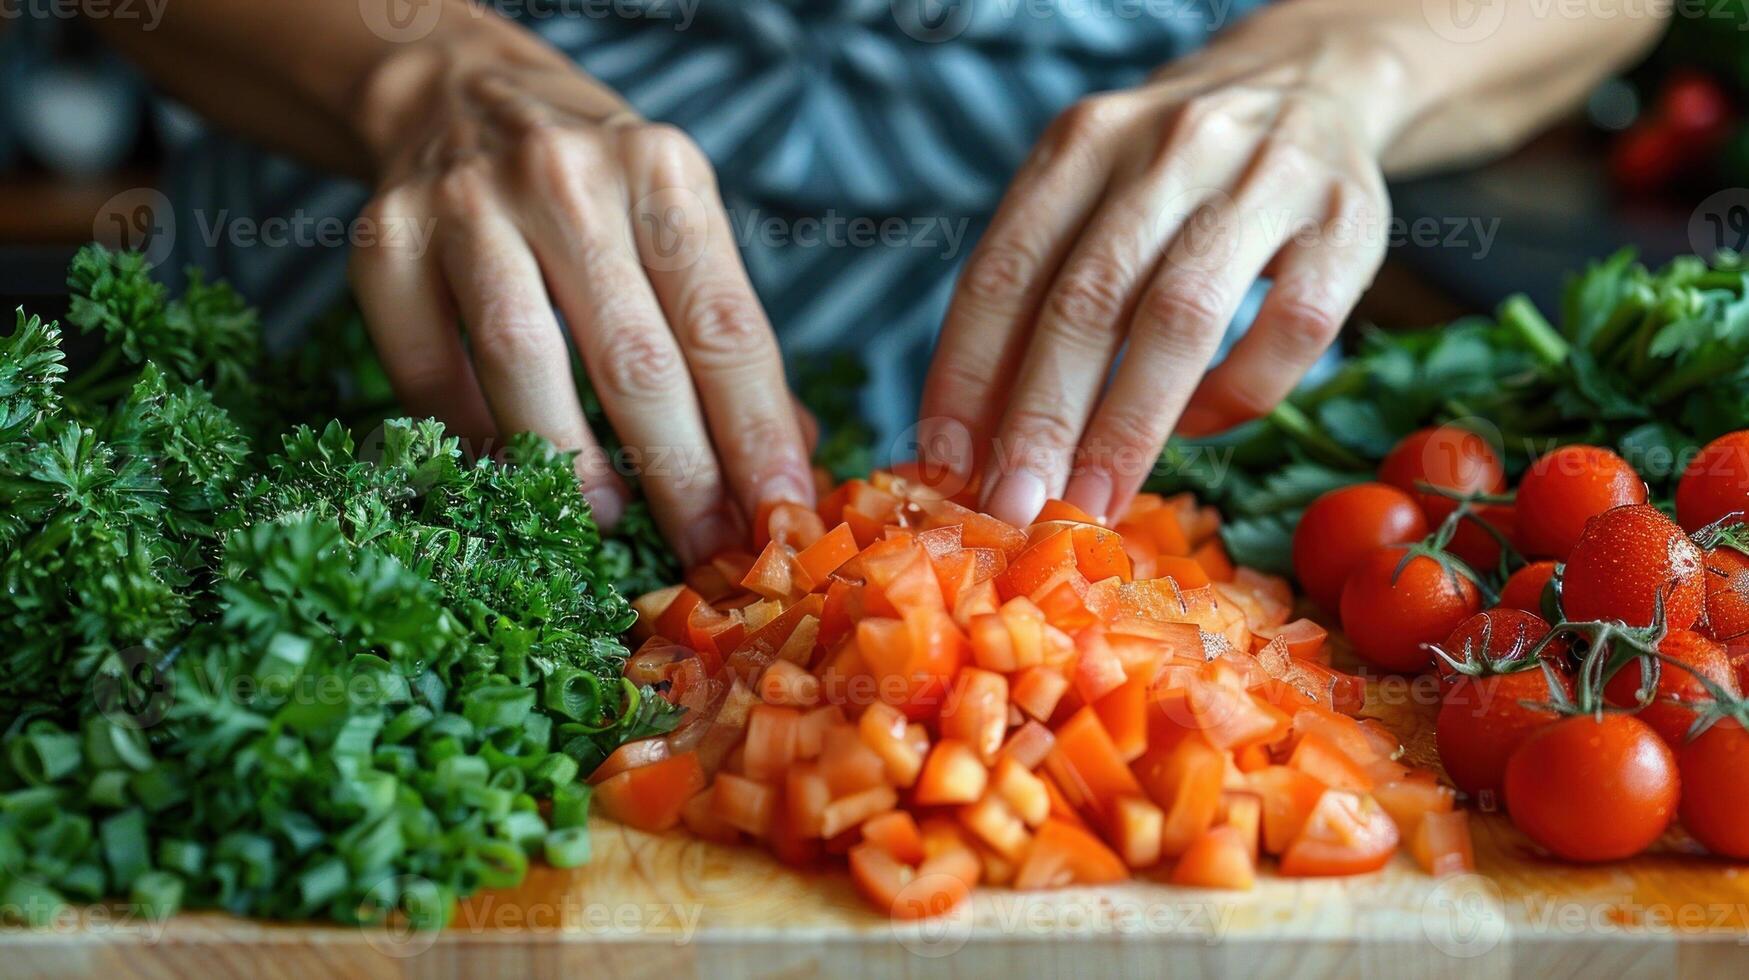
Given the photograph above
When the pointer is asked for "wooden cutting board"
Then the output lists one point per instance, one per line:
(667, 905)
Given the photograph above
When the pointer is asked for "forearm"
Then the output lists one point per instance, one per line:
(1446, 82)
(304, 78)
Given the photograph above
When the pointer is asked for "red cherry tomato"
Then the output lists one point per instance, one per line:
(1564, 489)
(1727, 594)
(1593, 788)
(1482, 721)
(1716, 483)
(1509, 633)
(1669, 712)
(1345, 525)
(1388, 616)
(1524, 588)
(1626, 558)
(1446, 456)
(1715, 789)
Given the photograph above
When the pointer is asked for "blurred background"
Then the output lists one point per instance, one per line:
(1658, 159)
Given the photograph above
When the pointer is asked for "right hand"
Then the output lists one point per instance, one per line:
(536, 186)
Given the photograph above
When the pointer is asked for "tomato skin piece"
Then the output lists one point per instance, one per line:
(1482, 721)
(1626, 557)
(1064, 854)
(1565, 488)
(1668, 713)
(1716, 482)
(1715, 789)
(1565, 775)
(901, 891)
(1341, 528)
(1727, 593)
(1389, 621)
(1524, 588)
(1345, 834)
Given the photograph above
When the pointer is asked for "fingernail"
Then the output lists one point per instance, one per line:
(709, 536)
(1017, 497)
(787, 487)
(606, 506)
(1090, 491)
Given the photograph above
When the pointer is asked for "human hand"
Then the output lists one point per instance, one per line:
(1138, 223)
(540, 187)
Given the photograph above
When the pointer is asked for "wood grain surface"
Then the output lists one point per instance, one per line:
(664, 906)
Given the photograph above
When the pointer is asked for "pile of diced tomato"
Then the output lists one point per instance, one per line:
(946, 700)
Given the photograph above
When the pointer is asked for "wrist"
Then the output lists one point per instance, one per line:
(1354, 61)
(410, 84)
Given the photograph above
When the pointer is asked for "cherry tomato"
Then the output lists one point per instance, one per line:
(1524, 588)
(1694, 104)
(1483, 720)
(1475, 545)
(1593, 788)
(1716, 483)
(1715, 788)
(1388, 616)
(1345, 525)
(1626, 558)
(1509, 632)
(1447, 456)
(1727, 594)
(1566, 488)
(1648, 156)
(1669, 713)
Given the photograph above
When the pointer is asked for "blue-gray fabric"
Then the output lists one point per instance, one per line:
(818, 114)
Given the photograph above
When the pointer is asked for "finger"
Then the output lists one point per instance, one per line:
(688, 252)
(518, 350)
(809, 425)
(1177, 326)
(983, 338)
(1317, 282)
(580, 229)
(1081, 325)
(412, 324)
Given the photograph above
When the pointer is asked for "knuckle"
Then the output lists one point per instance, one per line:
(1090, 294)
(465, 190)
(758, 438)
(512, 337)
(551, 157)
(1306, 320)
(669, 153)
(1131, 428)
(1089, 119)
(1047, 425)
(1185, 318)
(958, 374)
(638, 363)
(724, 328)
(999, 275)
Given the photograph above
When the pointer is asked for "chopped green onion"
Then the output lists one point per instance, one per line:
(567, 847)
(157, 894)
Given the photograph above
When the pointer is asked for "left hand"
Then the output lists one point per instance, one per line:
(1142, 218)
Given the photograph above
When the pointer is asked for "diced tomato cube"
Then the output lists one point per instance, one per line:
(1219, 858)
(700, 816)
(1137, 828)
(784, 683)
(819, 560)
(770, 747)
(1185, 780)
(847, 812)
(952, 774)
(1346, 833)
(1038, 690)
(651, 797)
(997, 825)
(896, 832)
(745, 804)
(1029, 744)
(976, 711)
(883, 729)
(1064, 854)
(1212, 556)
(1244, 813)
(1015, 783)
(1441, 844)
(1320, 758)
